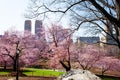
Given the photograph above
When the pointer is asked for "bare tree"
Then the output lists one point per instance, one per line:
(93, 12)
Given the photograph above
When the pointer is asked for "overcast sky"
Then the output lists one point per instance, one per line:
(12, 14)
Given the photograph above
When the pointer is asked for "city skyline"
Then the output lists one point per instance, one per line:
(12, 16)
(35, 27)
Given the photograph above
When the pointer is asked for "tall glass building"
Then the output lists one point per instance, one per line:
(38, 28)
(28, 25)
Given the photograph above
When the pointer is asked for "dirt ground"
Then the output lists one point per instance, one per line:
(27, 78)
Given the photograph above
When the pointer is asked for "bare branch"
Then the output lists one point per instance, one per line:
(68, 8)
(112, 19)
(106, 4)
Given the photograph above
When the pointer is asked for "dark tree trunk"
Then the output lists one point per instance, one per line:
(14, 65)
(17, 66)
(5, 65)
(67, 66)
(117, 3)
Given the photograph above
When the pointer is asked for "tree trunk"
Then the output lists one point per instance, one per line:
(66, 65)
(117, 3)
(17, 66)
(14, 65)
(5, 65)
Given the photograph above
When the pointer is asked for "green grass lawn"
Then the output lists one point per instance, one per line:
(4, 72)
(41, 72)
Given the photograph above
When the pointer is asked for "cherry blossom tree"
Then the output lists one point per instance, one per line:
(57, 34)
(87, 56)
(26, 45)
(108, 64)
(60, 47)
(9, 46)
(4, 60)
(61, 56)
(116, 65)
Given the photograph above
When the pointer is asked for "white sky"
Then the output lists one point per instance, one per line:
(12, 14)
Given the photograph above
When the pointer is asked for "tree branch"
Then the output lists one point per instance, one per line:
(105, 13)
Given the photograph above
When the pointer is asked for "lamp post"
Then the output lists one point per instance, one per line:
(17, 64)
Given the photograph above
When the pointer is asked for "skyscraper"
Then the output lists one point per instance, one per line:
(38, 28)
(27, 25)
